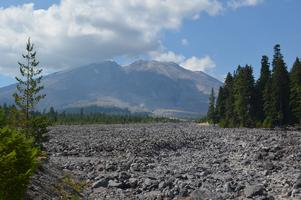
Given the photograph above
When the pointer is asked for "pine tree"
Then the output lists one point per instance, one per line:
(52, 115)
(261, 85)
(220, 105)
(29, 87)
(243, 96)
(279, 113)
(28, 96)
(211, 115)
(295, 92)
(230, 117)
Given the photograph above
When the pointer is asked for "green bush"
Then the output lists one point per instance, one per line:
(2, 118)
(37, 128)
(267, 123)
(18, 159)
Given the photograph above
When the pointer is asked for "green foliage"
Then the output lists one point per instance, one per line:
(267, 123)
(243, 96)
(69, 188)
(38, 128)
(261, 89)
(2, 118)
(220, 105)
(230, 117)
(28, 95)
(17, 163)
(10, 117)
(211, 114)
(279, 109)
(295, 92)
(76, 185)
(29, 86)
(101, 118)
(274, 100)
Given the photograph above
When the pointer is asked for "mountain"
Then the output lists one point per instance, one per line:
(163, 88)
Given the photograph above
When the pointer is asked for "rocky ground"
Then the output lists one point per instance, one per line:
(174, 161)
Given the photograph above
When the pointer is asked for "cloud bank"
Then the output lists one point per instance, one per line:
(193, 63)
(76, 32)
(241, 3)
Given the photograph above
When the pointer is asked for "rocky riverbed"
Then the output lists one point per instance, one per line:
(178, 161)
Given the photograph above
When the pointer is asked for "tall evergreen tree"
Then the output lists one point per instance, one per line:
(220, 105)
(230, 117)
(29, 87)
(260, 87)
(29, 94)
(243, 96)
(211, 114)
(279, 113)
(295, 92)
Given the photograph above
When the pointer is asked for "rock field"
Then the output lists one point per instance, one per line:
(179, 161)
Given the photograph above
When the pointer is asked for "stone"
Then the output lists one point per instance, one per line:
(124, 175)
(176, 159)
(114, 184)
(133, 182)
(162, 185)
(100, 183)
(296, 193)
(229, 187)
(297, 184)
(201, 194)
(254, 190)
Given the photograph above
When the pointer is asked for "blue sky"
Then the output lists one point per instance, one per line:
(243, 36)
(204, 37)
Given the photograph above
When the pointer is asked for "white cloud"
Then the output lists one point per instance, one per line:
(76, 32)
(240, 3)
(168, 56)
(205, 64)
(184, 42)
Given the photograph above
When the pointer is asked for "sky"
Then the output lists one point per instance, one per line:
(214, 36)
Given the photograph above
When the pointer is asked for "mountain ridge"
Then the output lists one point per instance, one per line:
(146, 85)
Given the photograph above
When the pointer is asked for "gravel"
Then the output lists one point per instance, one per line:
(179, 161)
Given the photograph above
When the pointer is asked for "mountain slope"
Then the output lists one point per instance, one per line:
(161, 87)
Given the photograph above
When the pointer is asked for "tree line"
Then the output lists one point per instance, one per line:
(274, 100)
(83, 117)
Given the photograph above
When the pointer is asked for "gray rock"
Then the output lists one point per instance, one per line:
(101, 183)
(202, 194)
(254, 190)
(133, 182)
(229, 187)
(175, 159)
(124, 175)
(162, 185)
(297, 184)
(296, 193)
(114, 184)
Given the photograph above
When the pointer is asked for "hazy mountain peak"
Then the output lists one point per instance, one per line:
(151, 85)
(105, 63)
(169, 69)
(149, 64)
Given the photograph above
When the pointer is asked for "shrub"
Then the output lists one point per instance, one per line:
(37, 128)
(267, 123)
(18, 159)
(2, 118)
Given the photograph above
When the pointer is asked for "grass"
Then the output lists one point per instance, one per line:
(76, 186)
